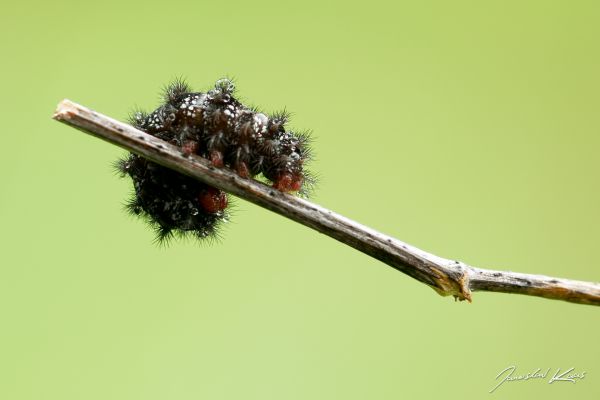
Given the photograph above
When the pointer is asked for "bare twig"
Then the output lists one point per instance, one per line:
(447, 277)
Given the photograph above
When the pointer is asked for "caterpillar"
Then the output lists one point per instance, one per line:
(217, 126)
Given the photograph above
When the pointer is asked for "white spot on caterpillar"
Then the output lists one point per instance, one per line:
(261, 118)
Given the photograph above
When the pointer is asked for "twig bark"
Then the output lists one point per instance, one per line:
(447, 277)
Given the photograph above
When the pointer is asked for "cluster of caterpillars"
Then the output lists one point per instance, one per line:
(214, 125)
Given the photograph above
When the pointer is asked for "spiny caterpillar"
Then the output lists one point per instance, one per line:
(214, 125)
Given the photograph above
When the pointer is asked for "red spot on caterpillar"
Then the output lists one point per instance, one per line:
(212, 200)
(216, 157)
(288, 182)
(190, 147)
(242, 169)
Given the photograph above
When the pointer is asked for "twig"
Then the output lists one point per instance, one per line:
(447, 277)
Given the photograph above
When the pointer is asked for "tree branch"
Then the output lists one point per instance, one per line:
(447, 277)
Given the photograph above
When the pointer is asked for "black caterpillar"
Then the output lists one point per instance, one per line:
(214, 125)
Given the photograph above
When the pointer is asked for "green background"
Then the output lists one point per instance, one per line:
(469, 129)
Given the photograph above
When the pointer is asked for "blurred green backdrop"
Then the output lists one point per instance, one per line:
(467, 128)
